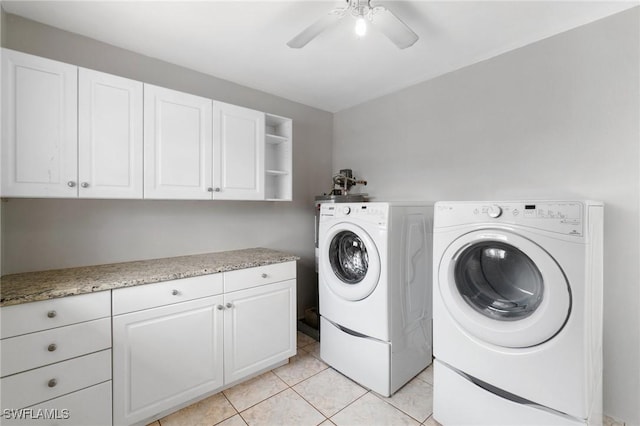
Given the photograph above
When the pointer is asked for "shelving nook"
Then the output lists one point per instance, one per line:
(278, 158)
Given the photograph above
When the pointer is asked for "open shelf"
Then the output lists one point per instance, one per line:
(278, 158)
(276, 172)
(276, 139)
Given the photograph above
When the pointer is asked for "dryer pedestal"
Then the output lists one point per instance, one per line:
(362, 359)
(383, 367)
(451, 405)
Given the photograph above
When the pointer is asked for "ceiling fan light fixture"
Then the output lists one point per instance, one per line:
(379, 16)
(361, 26)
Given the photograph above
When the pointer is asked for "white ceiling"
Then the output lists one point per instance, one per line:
(245, 41)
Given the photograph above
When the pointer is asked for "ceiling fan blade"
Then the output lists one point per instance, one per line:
(313, 30)
(391, 26)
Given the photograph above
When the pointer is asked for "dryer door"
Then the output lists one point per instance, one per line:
(349, 261)
(504, 289)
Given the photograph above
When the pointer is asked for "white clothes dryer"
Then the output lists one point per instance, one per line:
(518, 313)
(375, 291)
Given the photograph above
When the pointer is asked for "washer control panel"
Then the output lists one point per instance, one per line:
(370, 212)
(564, 217)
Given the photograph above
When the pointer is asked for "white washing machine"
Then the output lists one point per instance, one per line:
(375, 291)
(518, 313)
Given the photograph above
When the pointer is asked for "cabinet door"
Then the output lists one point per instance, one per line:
(39, 127)
(177, 145)
(259, 328)
(110, 136)
(238, 152)
(165, 356)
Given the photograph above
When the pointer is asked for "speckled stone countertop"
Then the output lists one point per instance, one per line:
(43, 285)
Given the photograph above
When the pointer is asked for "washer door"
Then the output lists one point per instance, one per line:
(349, 261)
(504, 289)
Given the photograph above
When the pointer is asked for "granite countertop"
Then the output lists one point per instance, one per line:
(43, 285)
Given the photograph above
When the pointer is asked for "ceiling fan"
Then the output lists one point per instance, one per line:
(381, 18)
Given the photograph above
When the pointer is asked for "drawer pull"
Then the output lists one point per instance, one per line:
(52, 383)
(264, 275)
(52, 347)
(52, 314)
(229, 305)
(175, 292)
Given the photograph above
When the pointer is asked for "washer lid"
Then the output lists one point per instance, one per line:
(504, 289)
(350, 262)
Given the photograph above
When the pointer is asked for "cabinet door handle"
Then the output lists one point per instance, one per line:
(229, 305)
(71, 184)
(52, 383)
(52, 314)
(216, 189)
(84, 184)
(264, 275)
(52, 347)
(175, 292)
(219, 307)
(210, 189)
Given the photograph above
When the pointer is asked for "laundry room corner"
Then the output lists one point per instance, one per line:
(554, 119)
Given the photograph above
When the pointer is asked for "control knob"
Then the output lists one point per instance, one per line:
(494, 211)
(346, 210)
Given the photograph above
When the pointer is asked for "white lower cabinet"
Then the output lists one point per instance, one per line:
(259, 328)
(170, 354)
(167, 344)
(56, 362)
(166, 356)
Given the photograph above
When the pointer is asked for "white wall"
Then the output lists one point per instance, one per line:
(45, 234)
(556, 119)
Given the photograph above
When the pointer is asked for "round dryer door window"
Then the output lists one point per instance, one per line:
(499, 281)
(504, 289)
(350, 263)
(348, 257)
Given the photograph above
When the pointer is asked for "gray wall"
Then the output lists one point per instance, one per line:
(45, 234)
(556, 119)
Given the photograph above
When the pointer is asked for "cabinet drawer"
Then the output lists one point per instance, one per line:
(252, 277)
(44, 383)
(33, 350)
(90, 406)
(147, 296)
(46, 314)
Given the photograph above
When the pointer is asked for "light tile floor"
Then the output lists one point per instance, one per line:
(306, 391)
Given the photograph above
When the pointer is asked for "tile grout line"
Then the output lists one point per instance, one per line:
(308, 378)
(262, 400)
(309, 402)
(349, 404)
(234, 408)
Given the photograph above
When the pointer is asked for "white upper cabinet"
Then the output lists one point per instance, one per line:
(238, 171)
(110, 136)
(39, 127)
(177, 145)
(71, 132)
